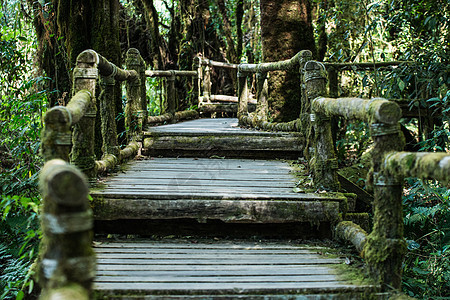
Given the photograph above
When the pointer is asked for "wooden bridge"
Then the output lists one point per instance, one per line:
(217, 178)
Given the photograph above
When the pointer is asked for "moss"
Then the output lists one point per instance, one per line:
(421, 165)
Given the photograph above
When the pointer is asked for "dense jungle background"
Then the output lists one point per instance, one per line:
(39, 42)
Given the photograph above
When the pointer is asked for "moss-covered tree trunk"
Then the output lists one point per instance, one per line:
(51, 59)
(70, 28)
(285, 29)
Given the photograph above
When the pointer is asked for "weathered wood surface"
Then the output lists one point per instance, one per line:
(184, 268)
(231, 190)
(220, 126)
(207, 137)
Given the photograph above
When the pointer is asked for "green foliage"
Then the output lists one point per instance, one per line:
(427, 229)
(20, 233)
(22, 104)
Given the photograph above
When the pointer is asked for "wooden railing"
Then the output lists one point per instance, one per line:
(69, 131)
(384, 248)
(172, 114)
(65, 189)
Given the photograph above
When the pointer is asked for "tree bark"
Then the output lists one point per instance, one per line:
(286, 28)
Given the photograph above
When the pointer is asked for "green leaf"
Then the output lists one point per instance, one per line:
(20, 295)
(401, 84)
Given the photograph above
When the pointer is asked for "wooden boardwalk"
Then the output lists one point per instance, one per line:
(207, 137)
(230, 190)
(167, 193)
(232, 269)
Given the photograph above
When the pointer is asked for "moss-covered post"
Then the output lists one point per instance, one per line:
(144, 100)
(324, 165)
(242, 95)
(66, 263)
(207, 84)
(85, 77)
(197, 91)
(171, 94)
(133, 110)
(385, 246)
(262, 94)
(56, 138)
(56, 135)
(108, 115)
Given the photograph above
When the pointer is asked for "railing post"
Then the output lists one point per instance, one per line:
(324, 162)
(385, 247)
(262, 95)
(171, 94)
(85, 77)
(108, 115)
(198, 65)
(67, 262)
(207, 84)
(56, 137)
(305, 108)
(134, 114)
(242, 95)
(144, 100)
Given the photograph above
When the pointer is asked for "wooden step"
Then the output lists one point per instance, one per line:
(219, 137)
(205, 190)
(186, 269)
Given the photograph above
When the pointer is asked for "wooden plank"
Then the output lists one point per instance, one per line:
(191, 189)
(208, 256)
(138, 250)
(252, 261)
(200, 182)
(230, 211)
(112, 193)
(228, 287)
(223, 245)
(209, 268)
(200, 175)
(185, 160)
(217, 279)
(305, 271)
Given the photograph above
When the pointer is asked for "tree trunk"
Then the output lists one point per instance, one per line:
(75, 27)
(285, 29)
(157, 43)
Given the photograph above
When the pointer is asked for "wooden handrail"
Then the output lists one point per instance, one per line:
(169, 73)
(364, 65)
(384, 248)
(57, 138)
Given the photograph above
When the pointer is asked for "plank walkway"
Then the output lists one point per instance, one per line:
(230, 190)
(219, 268)
(203, 190)
(206, 137)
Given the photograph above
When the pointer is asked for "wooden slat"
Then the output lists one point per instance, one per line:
(202, 246)
(210, 256)
(226, 287)
(264, 271)
(184, 268)
(216, 279)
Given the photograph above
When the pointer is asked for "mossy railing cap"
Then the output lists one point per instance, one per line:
(212, 63)
(374, 110)
(105, 67)
(424, 165)
(169, 73)
(297, 60)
